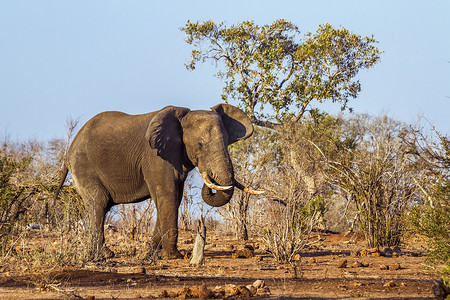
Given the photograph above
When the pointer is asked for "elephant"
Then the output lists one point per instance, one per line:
(119, 158)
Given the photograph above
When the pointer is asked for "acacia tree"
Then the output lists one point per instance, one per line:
(274, 73)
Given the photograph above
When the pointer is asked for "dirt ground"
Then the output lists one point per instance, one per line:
(319, 273)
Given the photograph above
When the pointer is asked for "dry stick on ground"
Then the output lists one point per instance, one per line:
(198, 257)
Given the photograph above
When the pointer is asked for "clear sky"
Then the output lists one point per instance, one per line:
(61, 59)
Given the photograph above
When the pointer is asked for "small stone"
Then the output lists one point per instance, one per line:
(259, 284)
(312, 260)
(297, 257)
(376, 254)
(389, 284)
(263, 292)
(186, 254)
(387, 252)
(258, 258)
(244, 253)
(252, 290)
(357, 264)
(249, 247)
(219, 291)
(395, 267)
(230, 247)
(231, 289)
(342, 264)
(397, 250)
(243, 292)
(164, 294)
(440, 290)
(201, 291)
(384, 267)
(139, 270)
(357, 283)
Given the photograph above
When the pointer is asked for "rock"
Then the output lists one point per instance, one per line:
(244, 253)
(230, 247)
(201, 291)
(139, 270)
(252, 290)
(357, 264)
(395, 267)
(440, 290)
(389, 284)
(164, 294)
(357, 283)
(397, 250)
(249, 247)
(376, 254)
(363, 252)
(342, 264)
(312, 260)
(243, 292)
(259, 284)
(387, 252)
(219, 291)
(384, 267)
(258, 258)
(297, 257)
(184, 293)
(263, 292)
(186, 254)
(231, 289)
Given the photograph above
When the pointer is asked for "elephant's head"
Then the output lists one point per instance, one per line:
(200, 138)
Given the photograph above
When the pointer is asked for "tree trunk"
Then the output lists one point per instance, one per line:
(198, 257)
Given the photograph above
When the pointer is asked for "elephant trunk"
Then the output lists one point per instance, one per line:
(218, 178)
(219, 198)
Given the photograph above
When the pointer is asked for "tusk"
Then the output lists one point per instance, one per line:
(211, 185)
(247, 190)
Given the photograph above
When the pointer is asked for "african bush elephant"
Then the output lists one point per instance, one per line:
(119, 158)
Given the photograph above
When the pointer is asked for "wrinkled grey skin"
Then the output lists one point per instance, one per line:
(119, 158)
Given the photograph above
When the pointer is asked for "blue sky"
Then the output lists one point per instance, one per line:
(61, 59)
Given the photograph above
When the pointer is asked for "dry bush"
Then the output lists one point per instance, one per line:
(377, 176)
(430, 216)
(30, 173)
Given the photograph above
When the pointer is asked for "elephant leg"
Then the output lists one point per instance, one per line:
(156, 239)
(96, 200)
(166, 230)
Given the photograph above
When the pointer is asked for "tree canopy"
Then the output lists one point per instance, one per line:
(274, 73)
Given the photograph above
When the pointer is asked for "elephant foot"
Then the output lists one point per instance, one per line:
(171, 254)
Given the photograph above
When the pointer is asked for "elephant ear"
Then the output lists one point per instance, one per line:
(164, 134)
(236, 122)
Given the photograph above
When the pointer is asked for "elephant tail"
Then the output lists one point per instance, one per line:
(64, 172)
